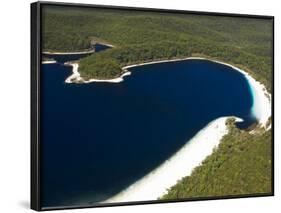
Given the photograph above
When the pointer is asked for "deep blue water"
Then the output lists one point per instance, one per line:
(98, 138)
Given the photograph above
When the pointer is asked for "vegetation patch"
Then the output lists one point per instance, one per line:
(140, 36)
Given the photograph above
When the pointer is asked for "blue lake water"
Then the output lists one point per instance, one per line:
(98, 138)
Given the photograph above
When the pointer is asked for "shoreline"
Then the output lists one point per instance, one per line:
(69, 53)
(49, 62)
(154, 185)
(75, 76)
(105, 44)
(192, 154)
(262, 98)
(77, 52)
(181, 164)
(261, 108)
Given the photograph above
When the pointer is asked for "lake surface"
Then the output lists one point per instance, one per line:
(99, 138)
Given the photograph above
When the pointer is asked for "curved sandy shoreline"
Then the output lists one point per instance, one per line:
(49, 62)
(262, 98)
(75, 76)
(105, 44)
(70, 53)
(181, 164)
(191, 155)
(78, 52)
(261, 108)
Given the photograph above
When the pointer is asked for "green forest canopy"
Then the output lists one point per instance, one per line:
(142, 36)
(241, 165)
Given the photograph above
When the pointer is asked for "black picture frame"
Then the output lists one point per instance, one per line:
(36, 50)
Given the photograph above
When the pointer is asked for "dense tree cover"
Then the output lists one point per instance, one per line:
(65, 42)
(145, 36)
(242, 162)
(240, 165)
(102, 69)
(132, 54)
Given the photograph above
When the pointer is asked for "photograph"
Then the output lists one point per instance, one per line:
(137, 105)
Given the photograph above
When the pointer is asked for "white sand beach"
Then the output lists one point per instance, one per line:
(105, 44)
(70, 53)
(181, 164)
(113, 80)
(261, 108)
(191, 155)
(75, 76)
(77, 52)
(262, 98)
(49, 62)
